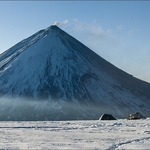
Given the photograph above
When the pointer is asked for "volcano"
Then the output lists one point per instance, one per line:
(51, 65)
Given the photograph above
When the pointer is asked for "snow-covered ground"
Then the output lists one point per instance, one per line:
(91, 134)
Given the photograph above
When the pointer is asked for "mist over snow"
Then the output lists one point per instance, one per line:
(20, 109)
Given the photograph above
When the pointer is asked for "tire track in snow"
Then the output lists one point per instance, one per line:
(116, 146)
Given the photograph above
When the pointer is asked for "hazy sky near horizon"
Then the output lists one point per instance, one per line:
(118, 31)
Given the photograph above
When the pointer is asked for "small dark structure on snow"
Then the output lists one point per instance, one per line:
(107, 117)
(135, 116)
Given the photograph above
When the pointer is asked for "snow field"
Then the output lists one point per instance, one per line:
(91, 134)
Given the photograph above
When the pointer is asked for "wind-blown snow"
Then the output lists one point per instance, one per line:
(93, 135)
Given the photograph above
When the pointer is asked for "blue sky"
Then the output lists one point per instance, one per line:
(118, 31)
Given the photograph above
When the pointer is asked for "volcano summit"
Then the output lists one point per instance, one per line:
(52, 65)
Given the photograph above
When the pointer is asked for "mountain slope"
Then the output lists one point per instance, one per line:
(52, 65)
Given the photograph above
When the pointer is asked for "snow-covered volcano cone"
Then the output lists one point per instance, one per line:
(53, 65)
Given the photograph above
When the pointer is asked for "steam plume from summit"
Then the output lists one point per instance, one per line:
(60, 23)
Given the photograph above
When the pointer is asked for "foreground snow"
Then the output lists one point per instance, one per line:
(93, 134)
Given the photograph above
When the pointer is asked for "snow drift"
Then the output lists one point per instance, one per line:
(53, 67)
